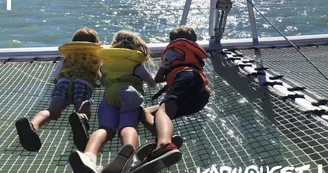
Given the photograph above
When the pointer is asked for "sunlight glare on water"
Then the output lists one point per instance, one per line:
(41, 23)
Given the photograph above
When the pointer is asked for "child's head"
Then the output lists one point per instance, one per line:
(183, 32)
(86, 34)
(130, 40)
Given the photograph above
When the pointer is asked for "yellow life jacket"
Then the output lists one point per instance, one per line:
(80, 62)
(117, 69)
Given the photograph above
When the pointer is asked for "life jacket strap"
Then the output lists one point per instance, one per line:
(159, 93)
(181, 65)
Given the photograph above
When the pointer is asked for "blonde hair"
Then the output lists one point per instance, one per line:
(129, 40)
(86, 34)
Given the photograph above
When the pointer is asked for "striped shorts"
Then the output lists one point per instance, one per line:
(81, 90)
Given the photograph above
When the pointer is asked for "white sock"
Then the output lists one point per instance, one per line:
(92, 156)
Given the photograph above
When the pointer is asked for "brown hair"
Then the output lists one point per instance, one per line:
(86, 34)
(183, 32)
(129, 40)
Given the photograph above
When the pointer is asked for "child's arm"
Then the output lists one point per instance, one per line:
(101, 76)
(101, 79)
(143, 73)
(57, 69)
(169, 56)
(160, 75)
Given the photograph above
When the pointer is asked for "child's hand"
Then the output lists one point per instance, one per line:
(55, 81)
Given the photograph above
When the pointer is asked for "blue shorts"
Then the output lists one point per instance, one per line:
(81, 90)
(111, 117)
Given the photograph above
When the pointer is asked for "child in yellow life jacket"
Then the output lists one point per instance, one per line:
(187, 92)
(123, 75)
(75, 83)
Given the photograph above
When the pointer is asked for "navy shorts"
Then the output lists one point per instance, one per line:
(186, 91)
(81, 90)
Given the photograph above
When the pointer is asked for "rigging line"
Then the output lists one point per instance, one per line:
(297, 49)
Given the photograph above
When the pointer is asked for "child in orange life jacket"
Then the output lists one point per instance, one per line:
(187, 92)
(75, 83)
(119, 110)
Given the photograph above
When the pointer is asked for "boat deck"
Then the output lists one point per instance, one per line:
(243, 125)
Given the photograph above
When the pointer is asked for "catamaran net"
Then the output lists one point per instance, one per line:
(242, 125)
(296, 68)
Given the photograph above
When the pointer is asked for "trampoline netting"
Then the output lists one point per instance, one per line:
(242, 125)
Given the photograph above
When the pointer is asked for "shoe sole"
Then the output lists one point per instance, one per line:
(80, 134)
(28, 138)
(77, 164)
(145, 149)
(122, 162)
(166, 160)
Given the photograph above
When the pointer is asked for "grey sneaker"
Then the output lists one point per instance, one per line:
(122, 162)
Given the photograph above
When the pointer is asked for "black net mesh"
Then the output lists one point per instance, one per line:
(242, 125)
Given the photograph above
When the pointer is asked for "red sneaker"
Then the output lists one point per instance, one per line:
(163, 157)
(145, 149)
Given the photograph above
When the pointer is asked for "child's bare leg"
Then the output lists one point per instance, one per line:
(98, 139)
(108, 119)
(129, 135)
(86, 161)
(127, 127)
(26, 129)
(147, 118)
(164, 125)
(166, 152)
(53, 113)
(79, 123)
(152, 109)
(40, 119)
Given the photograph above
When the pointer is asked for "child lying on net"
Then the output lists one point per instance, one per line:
(119, 111)
(75, 84)
(187, 93)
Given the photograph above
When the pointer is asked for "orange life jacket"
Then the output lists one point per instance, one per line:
(193, 59)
